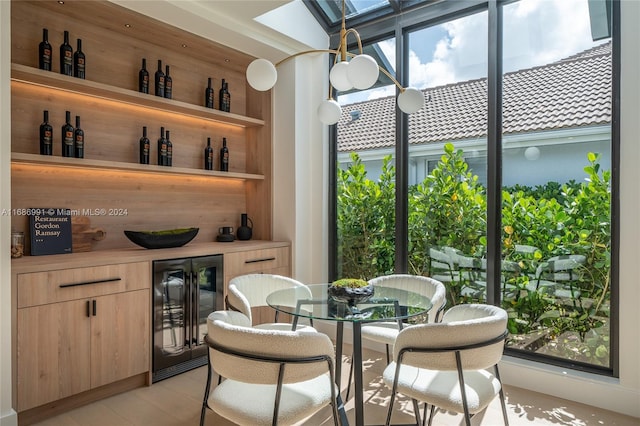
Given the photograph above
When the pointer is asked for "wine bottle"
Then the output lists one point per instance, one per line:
(160, 80)
(224, 98)
(78, 137)
(208, 156)
(169, 158)
(46, 136)
(208, 95)
(66, 56)
(168, 84)
(79, 61)
(144, 147)
(44, 51)
(224, 156)
(162, 149)
(67, 137)
(143, 79)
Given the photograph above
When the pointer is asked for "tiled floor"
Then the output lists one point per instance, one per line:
(177, 402)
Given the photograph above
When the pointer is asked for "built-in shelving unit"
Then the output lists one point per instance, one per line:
(52, 80)
(113, 114)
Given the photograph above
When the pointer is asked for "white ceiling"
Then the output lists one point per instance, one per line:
(271, 29)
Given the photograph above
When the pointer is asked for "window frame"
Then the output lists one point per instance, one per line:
(434, 13)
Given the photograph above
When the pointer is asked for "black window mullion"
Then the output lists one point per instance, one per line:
(402, 161)
(494, 151)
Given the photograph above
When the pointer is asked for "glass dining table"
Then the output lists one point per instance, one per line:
(315, 303)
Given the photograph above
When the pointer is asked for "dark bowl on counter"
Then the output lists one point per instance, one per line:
(162, 239)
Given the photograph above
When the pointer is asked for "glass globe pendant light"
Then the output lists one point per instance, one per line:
(349, 71)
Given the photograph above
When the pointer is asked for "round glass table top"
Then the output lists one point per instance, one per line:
(314, 302)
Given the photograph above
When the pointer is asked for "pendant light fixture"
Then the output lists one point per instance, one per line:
(359, 71)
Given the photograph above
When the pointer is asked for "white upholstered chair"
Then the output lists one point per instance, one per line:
(270, 377)
(444, 364)
(251, 290)
(386, 332)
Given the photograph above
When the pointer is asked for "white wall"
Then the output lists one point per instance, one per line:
(8, 417)
(299, 165)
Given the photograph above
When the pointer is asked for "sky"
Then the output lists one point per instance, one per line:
(536, 32)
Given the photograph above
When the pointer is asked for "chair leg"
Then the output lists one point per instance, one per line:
(432, 411)
(387, 351)
(205, 400)
(467, 416)
(416, 410)
(393, 397)
(502, 401)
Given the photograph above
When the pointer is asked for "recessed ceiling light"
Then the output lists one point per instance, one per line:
(184, 45)
(127, 25)
(227, 60)
(60, 2)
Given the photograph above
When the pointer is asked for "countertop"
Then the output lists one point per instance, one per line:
(27, 264)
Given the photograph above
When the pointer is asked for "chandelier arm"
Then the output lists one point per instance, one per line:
(306, 52)
(355, 33)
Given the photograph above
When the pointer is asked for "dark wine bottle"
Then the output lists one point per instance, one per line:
(78, 137)
(79, 61)
(44, 51)
(208, 156)
(169, 159)
(67, 137)
(143, 79)
(168, 84)
(224, 156)
(144, 147)
(46, 136)
(208, 95)
(66, 56)
(225, 98)
(162, 149)
(160, 80)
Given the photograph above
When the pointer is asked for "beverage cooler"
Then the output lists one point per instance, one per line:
(185, 292)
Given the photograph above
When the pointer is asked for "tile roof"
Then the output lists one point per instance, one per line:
(572, 92)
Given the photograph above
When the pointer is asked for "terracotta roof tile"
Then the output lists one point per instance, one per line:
(572, 92)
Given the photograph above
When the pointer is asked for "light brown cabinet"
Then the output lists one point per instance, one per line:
(267, 261)
(79, 329)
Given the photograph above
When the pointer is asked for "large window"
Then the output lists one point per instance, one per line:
(508, 192)
(366, 184)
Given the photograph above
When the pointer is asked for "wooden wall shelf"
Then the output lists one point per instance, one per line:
(58, 161)
(53, 80)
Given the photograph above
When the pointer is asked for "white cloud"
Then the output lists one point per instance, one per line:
(536, 32)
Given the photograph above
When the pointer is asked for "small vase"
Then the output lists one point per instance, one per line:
(245, 231)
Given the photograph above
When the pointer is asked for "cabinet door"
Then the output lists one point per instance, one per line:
(120, 336)
(53, 353)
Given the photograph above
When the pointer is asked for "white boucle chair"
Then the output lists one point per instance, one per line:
(251, 290)
(443, 364)
(386, 332)
(270, 377)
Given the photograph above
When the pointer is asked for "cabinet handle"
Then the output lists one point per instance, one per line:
(264, 259)
(94, 307)
(88, 309)
(107, 280)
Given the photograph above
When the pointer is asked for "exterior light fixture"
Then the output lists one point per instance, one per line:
(349, 71)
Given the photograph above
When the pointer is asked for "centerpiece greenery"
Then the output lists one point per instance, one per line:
(350, 290)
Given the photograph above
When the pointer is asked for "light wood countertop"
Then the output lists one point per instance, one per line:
(28, 264)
